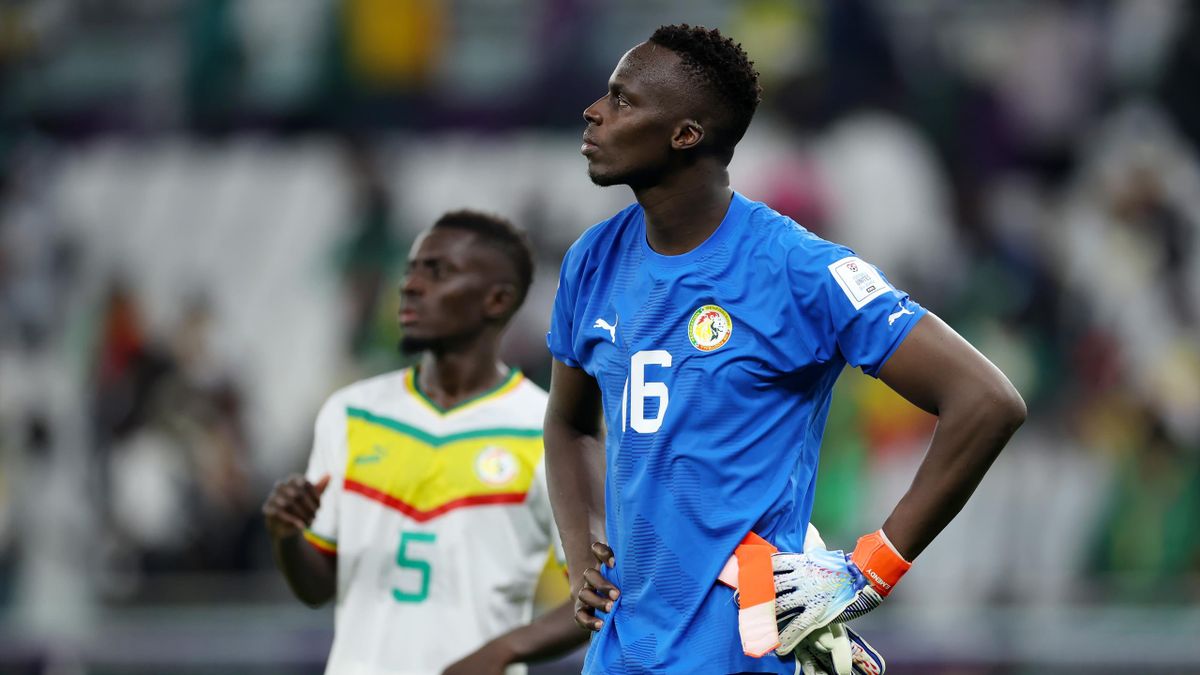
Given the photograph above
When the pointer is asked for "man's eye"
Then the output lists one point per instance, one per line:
(622, 101)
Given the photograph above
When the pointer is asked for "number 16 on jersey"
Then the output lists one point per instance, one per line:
(638, 391)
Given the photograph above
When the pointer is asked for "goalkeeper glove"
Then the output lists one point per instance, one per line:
(820, 587)
(837, 650)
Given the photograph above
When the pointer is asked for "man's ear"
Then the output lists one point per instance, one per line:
(499, 301)
(688, 134)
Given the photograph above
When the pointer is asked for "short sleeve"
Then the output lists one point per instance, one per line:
(848, 308)
(328, 458)
(561, 338)
(539, 504)
(870, 317)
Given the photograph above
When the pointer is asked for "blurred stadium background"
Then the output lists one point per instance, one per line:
(205, 206)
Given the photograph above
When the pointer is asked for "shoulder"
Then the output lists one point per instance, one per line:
(531, 391)
(366, 392)
(527, 403)
(789, 242)
(820, 271)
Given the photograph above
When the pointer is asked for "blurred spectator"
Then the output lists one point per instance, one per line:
(393, 43)
(124, 367)
(173, 445)
(1130, 250)
(203, 407)
(889, 201)
(1146, 540)
(371, 254)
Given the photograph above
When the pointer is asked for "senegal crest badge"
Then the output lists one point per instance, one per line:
(709, 327)
(496, 466)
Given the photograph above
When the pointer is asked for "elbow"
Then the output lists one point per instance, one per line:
(314, 601)
(1012, 409)
(314, 593)
(992, 408)
(1001, 410)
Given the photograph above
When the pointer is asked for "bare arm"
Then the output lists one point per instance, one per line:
(551, 634)
(574, 467)
(978, 410)
(289, 509)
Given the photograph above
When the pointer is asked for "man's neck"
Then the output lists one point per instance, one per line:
(450, 377)
(685, 209)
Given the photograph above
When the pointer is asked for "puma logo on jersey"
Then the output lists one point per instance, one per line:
(377, 453)
(610, 327)
(896, 315)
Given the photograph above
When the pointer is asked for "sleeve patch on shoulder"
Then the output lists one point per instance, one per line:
(860, 281)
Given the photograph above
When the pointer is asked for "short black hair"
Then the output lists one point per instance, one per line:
(721, 66)
(501, 234)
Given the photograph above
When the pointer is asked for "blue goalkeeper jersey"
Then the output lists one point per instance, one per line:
(716, 369)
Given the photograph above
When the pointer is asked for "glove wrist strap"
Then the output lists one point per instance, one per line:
(879, 562)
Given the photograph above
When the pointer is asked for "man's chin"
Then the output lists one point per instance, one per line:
(603, 179)
(413, 344)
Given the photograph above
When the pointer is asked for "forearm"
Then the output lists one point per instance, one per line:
(552, 634)
(575, 475)
(971, 432)
(310, 574)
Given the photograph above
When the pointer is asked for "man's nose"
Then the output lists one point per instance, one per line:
(591, 115)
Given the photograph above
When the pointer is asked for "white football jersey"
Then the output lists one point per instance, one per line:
(440, 520)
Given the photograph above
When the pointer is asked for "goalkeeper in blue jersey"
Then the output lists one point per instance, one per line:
(709, 330)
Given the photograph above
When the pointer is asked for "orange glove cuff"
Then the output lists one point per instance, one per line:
(879, 561)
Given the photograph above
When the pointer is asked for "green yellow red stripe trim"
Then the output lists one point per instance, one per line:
(438, 441)
(425, 516)
(326, 546)
(511, 382)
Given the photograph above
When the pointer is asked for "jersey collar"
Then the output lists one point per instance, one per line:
(508, 384)
(739, 207)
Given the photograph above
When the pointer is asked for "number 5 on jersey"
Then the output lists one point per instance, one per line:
(406, 560)
(637, 391)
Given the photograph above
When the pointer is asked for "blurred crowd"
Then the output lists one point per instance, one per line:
(1027, 170)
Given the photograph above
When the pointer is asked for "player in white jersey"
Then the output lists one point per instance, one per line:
(424, 510)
